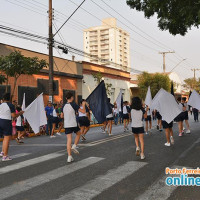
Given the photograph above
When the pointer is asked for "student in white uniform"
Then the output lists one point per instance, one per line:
(70, 123)
(110, 118)
(7, 111)
(55, 120)
(137, 114)
(186, 117)
(84, 121)
(148, 120)
(20, 126)
(125, 115)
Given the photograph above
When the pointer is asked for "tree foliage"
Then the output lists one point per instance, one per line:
(191, 83)
(176, 16)
(155, 81)
(15, 64)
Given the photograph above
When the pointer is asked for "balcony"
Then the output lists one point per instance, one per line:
(93, 33)
(106, 32)
(104, 38)
(93, 38)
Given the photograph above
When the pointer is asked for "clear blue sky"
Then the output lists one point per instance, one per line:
(142, 57)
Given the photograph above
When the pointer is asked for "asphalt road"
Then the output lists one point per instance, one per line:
(105, 169)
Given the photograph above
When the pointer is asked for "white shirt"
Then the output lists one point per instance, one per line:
(69, 116)
(5, 110)
(80, 114)
(136, 116)
(125, 110)
(19, 121)
(55, 113)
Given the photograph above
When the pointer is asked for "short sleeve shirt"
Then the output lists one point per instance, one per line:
(6, 109)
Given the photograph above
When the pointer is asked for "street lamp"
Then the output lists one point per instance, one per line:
(178, 64)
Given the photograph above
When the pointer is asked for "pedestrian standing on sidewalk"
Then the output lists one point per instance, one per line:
(137, 113)
(70, 123)
(7, 111)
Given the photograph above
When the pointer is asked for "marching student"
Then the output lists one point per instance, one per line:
(168, 132)
(20, 126)
(125, 115)
(7, 111)
(137, 113)
(83, 119)
(70, 123)
(180, 117)
(116, 114)
(185, 109)
(55, 120)
(110, 118)
(159, 121)
(196, 114)
(148, 120)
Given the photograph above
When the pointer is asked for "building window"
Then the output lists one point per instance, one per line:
(86, 37)
(111, 59)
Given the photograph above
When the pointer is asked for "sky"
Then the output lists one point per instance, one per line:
(147, 40)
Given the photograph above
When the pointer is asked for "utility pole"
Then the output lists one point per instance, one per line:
(164, 53)
(194, 70)
(50, 52)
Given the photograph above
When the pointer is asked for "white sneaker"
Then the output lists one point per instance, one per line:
(70, 159)
(58, 133)
(74, 149)
(142, 156)
(110, 134)
(183, 128)
(1, 154)
(137, 153)
(52, 136)
(172, 140)
(188, 131)
(167, 144)
(146, 133)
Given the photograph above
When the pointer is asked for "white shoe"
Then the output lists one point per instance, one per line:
(146, 133)
(188, 131)
(110, 134)
(70, 159)
(167, 144)
(52, 136)
(58, 133)
(137, 153)
(172, 140)
(142, 156)
(183, 128)
(74, 149)
(103, 131)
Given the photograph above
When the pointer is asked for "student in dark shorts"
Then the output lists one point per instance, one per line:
(137, 113)
(84, 121)
(168, 132)
(180, 117)
(148, 121)
(70, 123)
(159, 120)
(186, 117)
(7, 111)
(126, 111)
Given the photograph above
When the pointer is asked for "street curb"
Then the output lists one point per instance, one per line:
(62, 131)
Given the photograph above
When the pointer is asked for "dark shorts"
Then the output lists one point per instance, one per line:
(55, 120)
(20, 128)
(126, 116)
(186, 115)
(166, 125)
(180, 117)
(138, 130)
(148, 118)
(158, 116)
(72, 130)
(84, 121)
(5, 127)
(109, 118)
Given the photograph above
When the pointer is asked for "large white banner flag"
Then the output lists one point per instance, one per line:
(148, 98)
(194, 100)
(165, 103)
(35, 114)
(119, 101)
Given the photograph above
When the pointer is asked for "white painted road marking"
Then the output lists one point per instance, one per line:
(30, 162)
(101, 183)
(20, 155)
(46, 177)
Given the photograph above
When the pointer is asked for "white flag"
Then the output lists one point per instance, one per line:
(165, 103)
(35, 114)
(148, 98)
(119, 101)
(194, 100)
(24, 103)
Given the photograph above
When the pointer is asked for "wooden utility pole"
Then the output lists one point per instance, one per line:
(194, 70)
(164, 53)
(50, 52)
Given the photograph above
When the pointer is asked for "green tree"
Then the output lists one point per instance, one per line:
(155, 81)
(191, 83)
(175, 16)
(15, 64)
(2, 79)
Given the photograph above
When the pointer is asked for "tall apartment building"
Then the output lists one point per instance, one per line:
(108, 42)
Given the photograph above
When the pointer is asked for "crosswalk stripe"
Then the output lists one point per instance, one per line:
(159, 190)
(20, 155)
(46, 177)
(99, 184)
(30, 162)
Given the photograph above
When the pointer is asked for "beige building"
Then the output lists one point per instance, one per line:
(108, 42)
